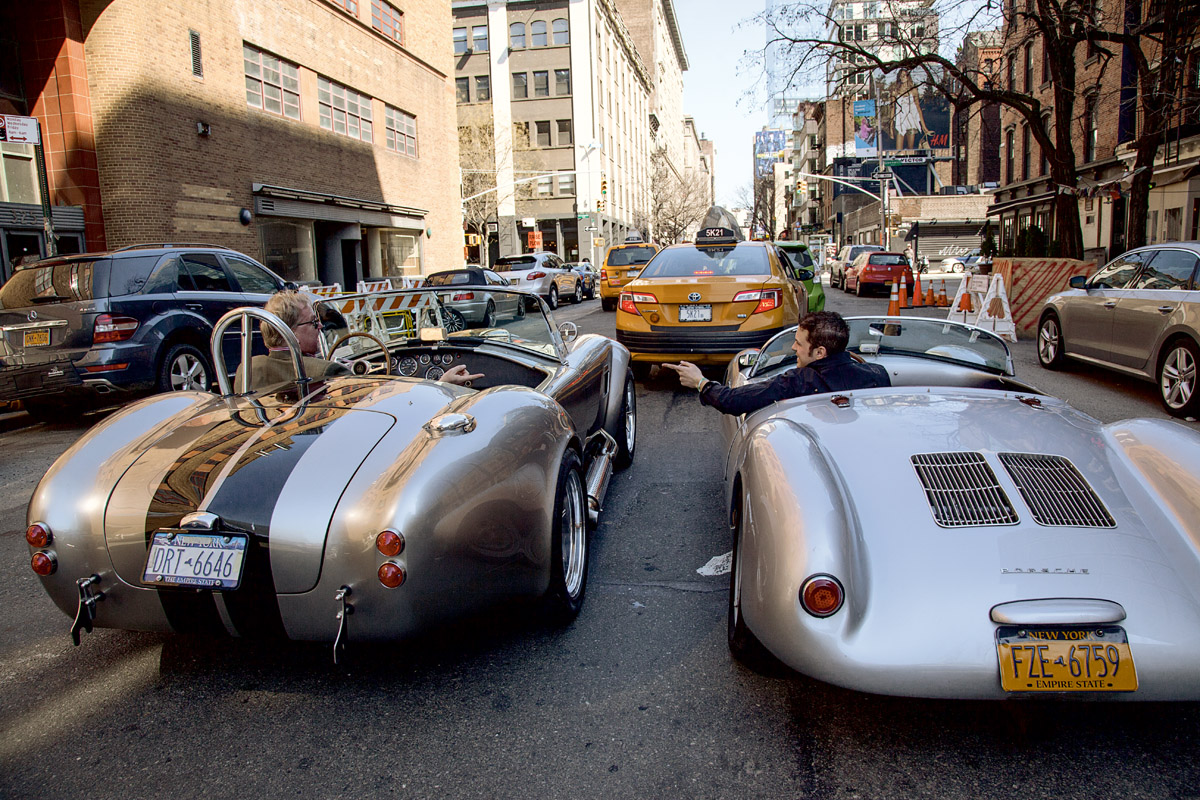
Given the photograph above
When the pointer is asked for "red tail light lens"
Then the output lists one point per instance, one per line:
(111, 328)
(462, 296)
(391, 574)
(822, 595)
(43, 563)
(629, 301)
(768, 299)
(390, 543)
(38, 535)
(603, 274)
(534, 276)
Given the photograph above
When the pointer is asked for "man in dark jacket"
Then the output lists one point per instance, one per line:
(822, 365)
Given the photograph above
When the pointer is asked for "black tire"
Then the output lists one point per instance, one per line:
(552, 298)
(521, 309)
(578, 298)
(489, 315)
(743, 644)
(626, 433)
(1178, 378)
(858, 289)
(608, 304)
(568, 570)
(1050, 342)
(453, 319)
(184, 368)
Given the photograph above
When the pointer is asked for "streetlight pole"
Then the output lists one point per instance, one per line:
(883, 189)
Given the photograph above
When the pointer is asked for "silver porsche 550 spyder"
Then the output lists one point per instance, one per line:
(960, 534)
(370, 504)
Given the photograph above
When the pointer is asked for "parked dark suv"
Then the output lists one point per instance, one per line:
(77, 328)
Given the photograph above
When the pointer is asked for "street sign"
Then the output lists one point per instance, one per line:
(19, 130)
(883, 175)
(535, 240)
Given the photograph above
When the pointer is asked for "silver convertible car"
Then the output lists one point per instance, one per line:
(959, 534)
(368, 505)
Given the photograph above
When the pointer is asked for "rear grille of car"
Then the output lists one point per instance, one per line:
(1055, 491)
(714, 339)
(962, 490)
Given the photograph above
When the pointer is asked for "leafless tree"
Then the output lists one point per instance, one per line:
(678, 200)
(477, 162)
(759, 197)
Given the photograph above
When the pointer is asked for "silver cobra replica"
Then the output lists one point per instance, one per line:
(364, 506)
(959, 534)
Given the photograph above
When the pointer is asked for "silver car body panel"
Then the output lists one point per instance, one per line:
(827, 486)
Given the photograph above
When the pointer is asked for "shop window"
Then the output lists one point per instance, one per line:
(272, 84)
(388, 20)
(344, 110)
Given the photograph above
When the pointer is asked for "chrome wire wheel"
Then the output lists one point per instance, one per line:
(188, 373)
(574, 536)
(1177, 379)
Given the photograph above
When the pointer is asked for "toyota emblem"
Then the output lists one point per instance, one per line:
(694, 296)
(32, 316)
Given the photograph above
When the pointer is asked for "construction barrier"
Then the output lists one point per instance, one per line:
(982, 300)
(1031, 280)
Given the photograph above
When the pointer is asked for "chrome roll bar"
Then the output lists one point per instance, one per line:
(245, 315)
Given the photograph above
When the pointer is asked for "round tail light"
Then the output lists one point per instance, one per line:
(390, 543)
(391, 574)
(38, 535)
(822, 595)
(43, 563)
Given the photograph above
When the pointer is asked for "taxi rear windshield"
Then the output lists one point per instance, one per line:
(687, 262)
(890, 260)
(630, 255)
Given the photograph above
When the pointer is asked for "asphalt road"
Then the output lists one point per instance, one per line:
(637, 698)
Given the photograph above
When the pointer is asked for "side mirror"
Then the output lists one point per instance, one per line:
(1078, 282)
(291, 286)
(805, 274)
(568, 331)
(747, 359)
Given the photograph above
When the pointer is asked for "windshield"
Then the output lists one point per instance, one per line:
(515, 263)
(630, 255)
(688, 261)
(798, 254)
(49, 282)
(450, 279)
(927, 338)
(429, 316)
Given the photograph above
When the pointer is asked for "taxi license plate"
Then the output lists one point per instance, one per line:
(700, 313)
(195, 559)
(37, 338)
(633, 273)
(1065, 659)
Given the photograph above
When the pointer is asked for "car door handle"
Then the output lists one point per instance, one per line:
(1166, 309)
(194, 306)
(1111, 304)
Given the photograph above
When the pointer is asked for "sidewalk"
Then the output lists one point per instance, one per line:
(11, 420)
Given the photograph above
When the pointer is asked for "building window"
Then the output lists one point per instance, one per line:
(1026, 151)
(1012, 74)
(545, 185)
(521, 134)
(388, 20)
(543, 133)
(566, 183)
(1009, 155)
(344, 110)
(1028, 67)
(562, 81)
(400, 131)
(197, 60)
(520, 85)
(400, 253)
(1045, 160)
(272, 84)
(537, 33)
(483, 89)
(18, 174)
(1045, 61)
(462, 89)
(1090, 132)
(349, 5)
(564, 132)
(516, 35)
(541, 84)
(562, 35)
(460, 40)
(479, 38)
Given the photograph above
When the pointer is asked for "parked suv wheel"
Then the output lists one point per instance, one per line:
(184, 369)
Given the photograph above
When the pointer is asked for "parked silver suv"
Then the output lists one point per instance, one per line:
(542, 273)
(1138, 314)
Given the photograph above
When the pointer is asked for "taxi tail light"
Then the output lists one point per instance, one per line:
(768, 299)
(389, 542)
(38, 535)
(113, 328)
(629, 301)
(462, 296)
(535, 276)
(822, 595)
(603, 274)
(43, 563)
(391, 574)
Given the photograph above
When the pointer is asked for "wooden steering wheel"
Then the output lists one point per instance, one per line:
(387, 357)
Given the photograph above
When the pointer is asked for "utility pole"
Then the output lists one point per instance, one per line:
(883, 189)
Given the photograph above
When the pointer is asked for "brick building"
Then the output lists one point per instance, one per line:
(976, 127)
(317, 136)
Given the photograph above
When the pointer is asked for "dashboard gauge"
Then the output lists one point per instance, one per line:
(447, 359)
(407, 366)
(425, 359)
(434, 373)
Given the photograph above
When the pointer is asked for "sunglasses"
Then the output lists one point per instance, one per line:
(315, 322)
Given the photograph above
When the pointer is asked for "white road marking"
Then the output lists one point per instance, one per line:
(718, 565)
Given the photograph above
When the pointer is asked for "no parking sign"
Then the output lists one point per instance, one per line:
(19, 130)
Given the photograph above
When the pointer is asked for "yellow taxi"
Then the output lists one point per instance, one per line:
(707, 301)
(621, 264)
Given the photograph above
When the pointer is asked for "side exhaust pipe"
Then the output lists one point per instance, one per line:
(600, 450)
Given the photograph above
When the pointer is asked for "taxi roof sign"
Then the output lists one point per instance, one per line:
(716, 236)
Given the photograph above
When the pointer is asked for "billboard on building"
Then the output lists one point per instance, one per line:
(769, 148)
(913, 116)
(866, 129)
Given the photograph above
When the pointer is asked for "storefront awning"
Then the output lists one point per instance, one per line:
(996, 209)
(299, 203)
(1167, 174)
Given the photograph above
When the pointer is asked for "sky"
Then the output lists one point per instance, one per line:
(722, 91)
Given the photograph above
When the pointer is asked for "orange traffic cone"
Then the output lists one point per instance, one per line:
(964, 304)
(894, 303)
(917, 301)
(931, 298)
(903, 290)
(942, 300)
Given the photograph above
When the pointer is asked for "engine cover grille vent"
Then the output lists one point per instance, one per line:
(1055, 491)
(962, 490)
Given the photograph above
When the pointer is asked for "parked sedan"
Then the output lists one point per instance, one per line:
(544, 274)
(588, 274)
(467, 308)
(1140, 315)
(847, 256)
(960, 263)
(877, 271)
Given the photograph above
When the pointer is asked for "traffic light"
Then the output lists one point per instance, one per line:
(803, 187)
(604, 186)
(599, 205)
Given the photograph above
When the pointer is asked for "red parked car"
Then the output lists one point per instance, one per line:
(878, 271)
